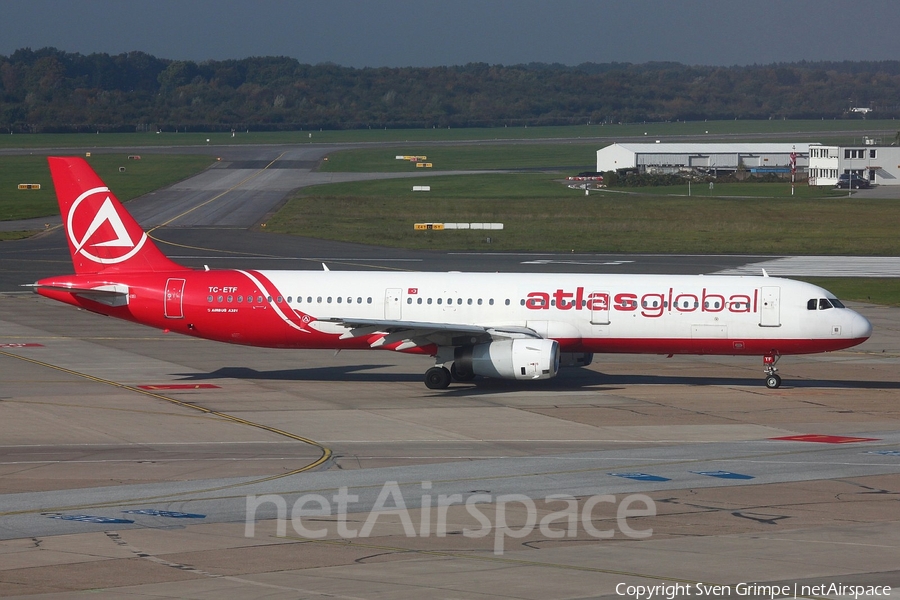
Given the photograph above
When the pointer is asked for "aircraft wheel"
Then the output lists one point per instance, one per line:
(437, 378)
(773, 382)
(461, 376)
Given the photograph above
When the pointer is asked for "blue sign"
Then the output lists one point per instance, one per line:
(723, 474)
(640, 476)
(165, 513)
(90, 519)
(885, 452)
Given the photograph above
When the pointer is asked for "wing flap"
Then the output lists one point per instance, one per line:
(411, 334)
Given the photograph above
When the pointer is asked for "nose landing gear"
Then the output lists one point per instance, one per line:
(773, 380)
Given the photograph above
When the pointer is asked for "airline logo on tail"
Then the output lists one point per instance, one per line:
(97, 232)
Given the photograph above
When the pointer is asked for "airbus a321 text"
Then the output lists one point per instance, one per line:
(504, 325)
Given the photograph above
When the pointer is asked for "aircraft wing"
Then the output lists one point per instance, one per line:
(417, 333)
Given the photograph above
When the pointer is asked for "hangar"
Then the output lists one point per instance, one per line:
(879, 164)
(706, 158)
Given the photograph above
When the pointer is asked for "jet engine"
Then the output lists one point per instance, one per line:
(523, 358)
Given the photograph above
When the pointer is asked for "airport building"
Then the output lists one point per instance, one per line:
(879, 164)
(715, 159)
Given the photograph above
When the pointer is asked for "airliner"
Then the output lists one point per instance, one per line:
(498, 325)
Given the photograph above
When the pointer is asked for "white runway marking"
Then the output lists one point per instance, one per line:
(574, 262)
(822, 266)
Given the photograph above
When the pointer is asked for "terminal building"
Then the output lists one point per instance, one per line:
(879, 164)
(714, 159)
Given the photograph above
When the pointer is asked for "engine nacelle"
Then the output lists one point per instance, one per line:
(524, 358)
(576, 359)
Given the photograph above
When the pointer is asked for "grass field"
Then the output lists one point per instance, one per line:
(845, 130)
(140, 177)
(569, 157)
(540, 214)
(861, 289)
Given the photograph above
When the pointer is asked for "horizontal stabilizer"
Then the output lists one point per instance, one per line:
(113, 294)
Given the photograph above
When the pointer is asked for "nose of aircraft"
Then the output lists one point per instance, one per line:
(860, 327)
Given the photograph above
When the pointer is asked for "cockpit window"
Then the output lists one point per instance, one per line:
(823, 303)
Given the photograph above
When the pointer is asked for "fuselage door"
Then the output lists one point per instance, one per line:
(598, 303)
(174, 298)
(392, 304)
(770, 307)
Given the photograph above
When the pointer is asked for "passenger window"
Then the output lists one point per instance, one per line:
(491, 301)
(521, 302)
(229, 298)
(507, 302)
(309, 299)
(329, 300)
(469, 302)
(319, 299)
(429, 301)
(289, 300)
(811, 304)
(359, 300)
(409, 300)
(339, 299)
(440, 300)
(479, 302)
(209, 298)
(418, 301)
(279, 299)
(259, 299)
(220, 298)
(459, 300)
(369, 300)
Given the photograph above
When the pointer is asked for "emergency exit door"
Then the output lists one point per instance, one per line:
(174, 299)
(770, 309)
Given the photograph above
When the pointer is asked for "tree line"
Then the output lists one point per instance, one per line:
(49, 90)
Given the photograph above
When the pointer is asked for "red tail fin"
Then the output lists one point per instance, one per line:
(102, 236)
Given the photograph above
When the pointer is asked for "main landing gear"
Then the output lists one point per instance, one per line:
(437, 378)
(773, 380)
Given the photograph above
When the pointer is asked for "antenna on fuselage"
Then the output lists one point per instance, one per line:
(764, 273)
(325, 267)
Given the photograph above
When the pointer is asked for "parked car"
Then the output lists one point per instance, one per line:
(855, 182)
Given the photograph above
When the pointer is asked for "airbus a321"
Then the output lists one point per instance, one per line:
(501, 325)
